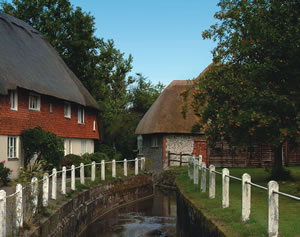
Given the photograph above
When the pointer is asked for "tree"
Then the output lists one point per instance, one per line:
(43, 145)
(144, 94)
(251, 93)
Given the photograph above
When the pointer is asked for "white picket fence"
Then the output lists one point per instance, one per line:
(196, 164)
(19, 206)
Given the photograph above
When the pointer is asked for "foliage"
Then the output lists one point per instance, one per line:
(144, 93)
(4, 173)
(251, 92)
(42, 144)
(70, 160)
(101, 67)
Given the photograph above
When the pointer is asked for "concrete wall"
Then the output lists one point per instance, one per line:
(74, 216)
(76, 146)
(14, 163)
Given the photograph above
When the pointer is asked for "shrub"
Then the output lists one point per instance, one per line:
(4, 173)
(70, 160)
(43, 144)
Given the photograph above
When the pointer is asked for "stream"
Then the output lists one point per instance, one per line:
(155, 216)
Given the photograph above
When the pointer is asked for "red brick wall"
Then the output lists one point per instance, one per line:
(14, 122)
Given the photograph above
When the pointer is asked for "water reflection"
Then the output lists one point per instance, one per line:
(151, 217)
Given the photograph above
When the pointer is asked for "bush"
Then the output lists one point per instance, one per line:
(70, 160)
(4, 173)
(43, 144)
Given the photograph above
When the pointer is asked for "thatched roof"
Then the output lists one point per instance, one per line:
(28, 61)
(165, 116)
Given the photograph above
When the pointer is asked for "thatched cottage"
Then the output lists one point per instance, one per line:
(163, 130)
(38, 89)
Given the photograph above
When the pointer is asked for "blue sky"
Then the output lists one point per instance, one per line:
(163, 36)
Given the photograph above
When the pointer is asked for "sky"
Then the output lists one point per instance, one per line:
(163, 36)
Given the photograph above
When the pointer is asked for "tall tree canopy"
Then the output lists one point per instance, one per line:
(251, 92)
(101, 67)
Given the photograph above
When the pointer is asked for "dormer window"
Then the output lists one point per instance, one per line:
(34, 102)
(14, 100)
(81, 115)
(67, 110)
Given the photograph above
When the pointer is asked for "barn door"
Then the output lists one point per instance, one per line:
(200, 148)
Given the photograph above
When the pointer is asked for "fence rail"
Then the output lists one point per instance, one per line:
(195, 164)
(45, 190)
(181, 155)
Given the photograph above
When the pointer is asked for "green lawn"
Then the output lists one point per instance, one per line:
(229, 219)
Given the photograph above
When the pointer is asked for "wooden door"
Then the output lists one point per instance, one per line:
(200, 148)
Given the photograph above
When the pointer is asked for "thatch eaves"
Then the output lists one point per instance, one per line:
(28, 61)
(165, 115)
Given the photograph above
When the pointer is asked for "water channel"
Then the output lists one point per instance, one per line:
(155, 216)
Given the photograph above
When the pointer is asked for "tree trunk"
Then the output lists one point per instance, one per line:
(278, 171)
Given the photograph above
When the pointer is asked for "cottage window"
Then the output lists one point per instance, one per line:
(94, 125)
(154, 141)
(83, 146)
(67, 110)
(81, 115)
(50, 108)
(12, 143)
(70, 146)
(14, 100)
(34, 102)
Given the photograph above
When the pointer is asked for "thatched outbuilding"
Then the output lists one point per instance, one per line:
(163, 132)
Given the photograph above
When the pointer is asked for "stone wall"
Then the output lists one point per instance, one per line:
(75, 215)
(177, 144)
(192, 222)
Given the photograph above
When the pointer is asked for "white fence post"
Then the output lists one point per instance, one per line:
(63, 180)
(102, 170)
(81, 173)
(19, 206)
(200, 159)
(196, 171)
(113, 168)
(273, 209)
(225, 188)
(143, 163)
(93, 172)
(54, 182)
(125, 167)
(34, 193)
(73, 177)
(203, 178)
(246, 197)
(45, 189)
(212, 182)
(2, 213)
(136, 170)
(189, 166)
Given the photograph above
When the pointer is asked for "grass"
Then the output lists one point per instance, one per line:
(229, 219)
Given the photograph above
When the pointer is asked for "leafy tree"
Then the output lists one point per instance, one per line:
(43, 145)
(252, 92)
(144, 94)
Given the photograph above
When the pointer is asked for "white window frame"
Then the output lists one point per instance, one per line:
(70, 146)
(34, 105)
(154, 141)
(80, 115)
(51, 108)
(12, 147)
(65, 147)
(67, 110)
(94, 125)
(14, 100)
(83, 147)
